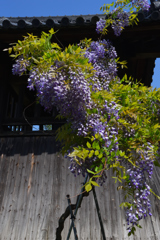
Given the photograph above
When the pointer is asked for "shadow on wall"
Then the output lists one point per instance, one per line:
(24, 145)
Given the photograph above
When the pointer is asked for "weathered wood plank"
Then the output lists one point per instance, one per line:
(35, 180)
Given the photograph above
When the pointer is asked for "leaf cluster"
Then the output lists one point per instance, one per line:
(138, 106)
(41, 53)
(111, 11)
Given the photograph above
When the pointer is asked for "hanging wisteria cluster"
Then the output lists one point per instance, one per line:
(106, 119)
(139, 175)
(20, 66)
(103, 56)
(94, 125)
(53, 91)
(119, 18)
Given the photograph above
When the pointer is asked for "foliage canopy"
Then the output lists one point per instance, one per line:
(112, 123)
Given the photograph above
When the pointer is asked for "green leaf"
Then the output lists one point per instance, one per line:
(88, 187)
(154, 194)
(100, 155)
(95, 145)
(156, 163)
(96, 169)
(117, 178)
(88, 145)
(96, 135)
(52, 31)
(9, 50)
(92, 138)
(90, 171)
(125, 204)
(91, 153)
(139, 226)
(113, 154)
(121, 153)
(96, 152)
(97, 176)
(95, 183)
(12, 55)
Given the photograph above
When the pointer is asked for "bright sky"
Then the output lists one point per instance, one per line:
(37, 8)
(44, 8)
(156, 78)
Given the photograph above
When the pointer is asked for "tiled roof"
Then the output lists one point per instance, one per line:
(64, 21)
(58, 21)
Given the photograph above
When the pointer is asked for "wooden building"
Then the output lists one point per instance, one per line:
(34, 177)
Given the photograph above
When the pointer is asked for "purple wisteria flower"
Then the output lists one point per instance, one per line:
(121, 21)
(143, 4)
(100, 25)
(20, 66)
(71, 93)
(138, 177)
(102, 55)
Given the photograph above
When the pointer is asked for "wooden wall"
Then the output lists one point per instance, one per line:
(34, 182)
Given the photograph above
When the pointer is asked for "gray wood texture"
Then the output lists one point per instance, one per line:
(34, 182)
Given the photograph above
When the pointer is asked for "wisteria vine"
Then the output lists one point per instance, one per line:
(106, 119)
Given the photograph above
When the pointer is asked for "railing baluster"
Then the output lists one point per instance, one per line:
(72, 218)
